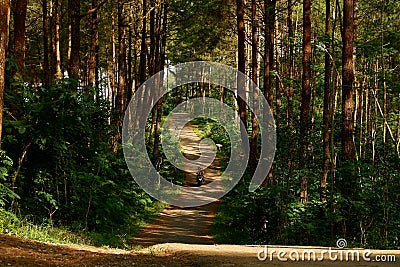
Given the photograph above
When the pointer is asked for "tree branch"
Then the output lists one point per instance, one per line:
(91, 11)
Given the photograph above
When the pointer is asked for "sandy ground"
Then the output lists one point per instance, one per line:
(23, 252)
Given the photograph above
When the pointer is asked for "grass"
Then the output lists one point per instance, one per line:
(26, 227)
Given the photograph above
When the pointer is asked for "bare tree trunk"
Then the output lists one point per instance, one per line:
(19, 36)
(269, 31)
(278, 80)
(241, 60)
(94, 46)
(56, 42)
(254, 71)
(142, 67)
(152, 26)
(130, 75)
(269, 24)
(291, 65)
(52, 64)
(290, 93)
(151, 63)
(161, 64)
(120, 98)
(46, 66)
(74, 7)
(327, 99)
(114, 60)
(4, 34)
(142, 60)
(305, 101)
(348, 148)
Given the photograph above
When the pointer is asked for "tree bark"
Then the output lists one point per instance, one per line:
(327, 97)
(46, 65)
(241, 61)
(291, 65)
(254, 66)
(305, 101)
(56, 61)
(4, 34)
(348, 148)
(269, 24)
(152, 26)
(74, 7)
(114, 60)
(94, 46)
(120, 101)
(142, 60)
(19, 36)
(161, 67)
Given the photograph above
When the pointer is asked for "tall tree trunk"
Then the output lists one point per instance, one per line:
(142, 60)
(52, 64)
(19, 36)
(348, 148)
(74, 7)
(151, 62)
(254, 72)
(152, 25)
(305, 101)
(327, 97)
(291, 65)
(278, 80)
(56, 54)
(94, 46)
(130, 76)
(114, 59)
(241, 61)
(269, 32)
(120, 101)
(290, 93)
(4, 34)
(46, 65)
(120, 98)
(161, 67)
(269, 24)
(142, 66)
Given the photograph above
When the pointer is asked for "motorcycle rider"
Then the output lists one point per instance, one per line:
(200, 176)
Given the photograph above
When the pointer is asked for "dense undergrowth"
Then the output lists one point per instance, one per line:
(273, 214)
(59, 179)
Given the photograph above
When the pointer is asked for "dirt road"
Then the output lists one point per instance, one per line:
(23, 252)
(184, 225)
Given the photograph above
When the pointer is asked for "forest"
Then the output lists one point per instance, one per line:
(329, 71)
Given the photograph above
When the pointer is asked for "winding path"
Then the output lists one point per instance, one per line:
(184, 225)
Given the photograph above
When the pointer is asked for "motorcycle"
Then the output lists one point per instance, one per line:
(200, 177)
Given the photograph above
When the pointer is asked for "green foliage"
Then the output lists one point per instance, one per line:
(199, 29)
(211, 129)
(5, 191)
(69, 175)
(369, 218)
(41, 231)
